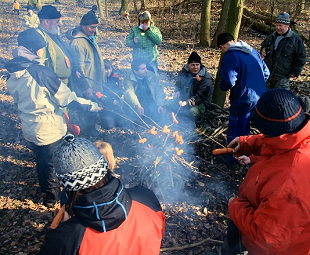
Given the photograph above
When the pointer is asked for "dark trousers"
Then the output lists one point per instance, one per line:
(232, 243)
(47, 179)
(237, 125)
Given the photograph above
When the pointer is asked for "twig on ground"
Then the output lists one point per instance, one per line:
(178, 248)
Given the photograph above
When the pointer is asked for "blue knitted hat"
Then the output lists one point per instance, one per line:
(283, 18)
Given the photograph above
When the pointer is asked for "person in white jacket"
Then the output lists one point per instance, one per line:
(40, 97)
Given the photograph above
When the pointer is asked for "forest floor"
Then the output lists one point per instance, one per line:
(193, 187)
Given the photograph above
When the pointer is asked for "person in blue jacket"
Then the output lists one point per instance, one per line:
(244, 73)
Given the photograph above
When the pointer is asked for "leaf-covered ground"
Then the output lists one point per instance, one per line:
(197, 185)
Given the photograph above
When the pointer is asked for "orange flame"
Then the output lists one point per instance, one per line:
(166, 130)
(153, 131)
(142, 140)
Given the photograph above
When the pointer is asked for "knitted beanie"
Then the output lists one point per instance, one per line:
(224, 38)
(283, 18)
(89, 19)
(194, 58)
(278, 112)
(49, 12)
(78, 164)
(31, 40)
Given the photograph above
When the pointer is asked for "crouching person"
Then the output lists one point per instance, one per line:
(105, 218)
(143, 92)
(272, 209)
(39, 95)
(194, 88)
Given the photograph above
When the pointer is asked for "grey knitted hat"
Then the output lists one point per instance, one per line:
(78, 164)
(283, 18)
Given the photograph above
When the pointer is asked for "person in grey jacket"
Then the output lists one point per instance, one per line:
(284, 53)
(194, 85)
(40, 97)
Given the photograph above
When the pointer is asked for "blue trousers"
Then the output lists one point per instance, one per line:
(238, 125)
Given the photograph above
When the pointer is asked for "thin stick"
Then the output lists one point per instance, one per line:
(178, 248)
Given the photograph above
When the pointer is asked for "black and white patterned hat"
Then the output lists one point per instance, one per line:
(78, 164)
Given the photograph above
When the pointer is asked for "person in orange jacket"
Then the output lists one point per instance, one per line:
(104, 217)
(272, 209)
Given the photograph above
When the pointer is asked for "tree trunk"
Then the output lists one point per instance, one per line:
(142, 5)
(124, 7)
(235, 17)
(221, 26)
(100, 9)
(135, 6)
(233, 22)
(205, 23)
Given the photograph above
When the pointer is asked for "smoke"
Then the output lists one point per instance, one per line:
(165, 157)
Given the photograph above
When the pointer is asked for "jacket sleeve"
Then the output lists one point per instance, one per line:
(274, 223)
(228, 72)
(130, 95)
(78, 55)
(204, 91)
(129, 40)
(250, 144)
(58, 92)
(300, 58)
(63, 240)
(154, 34)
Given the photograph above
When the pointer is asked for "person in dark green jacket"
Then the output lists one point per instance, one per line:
(144, 39)
(56, 52)
(284, 53)
(88, 69)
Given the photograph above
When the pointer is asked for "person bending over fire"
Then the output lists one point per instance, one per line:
(104, 217)
(143, 91)
(40, 97)
(271, 212)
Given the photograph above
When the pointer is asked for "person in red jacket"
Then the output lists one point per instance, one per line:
(105, 218)
(272, 209)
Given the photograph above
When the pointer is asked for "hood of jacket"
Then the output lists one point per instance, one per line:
(202, 72)
(241, 46)
(104, 209)
(76, 33)
(23, 58)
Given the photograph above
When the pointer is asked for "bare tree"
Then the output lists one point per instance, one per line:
(124, 7)
(100, 9)
(205, 23)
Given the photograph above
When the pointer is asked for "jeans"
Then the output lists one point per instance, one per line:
(47, 179)
(238, 125)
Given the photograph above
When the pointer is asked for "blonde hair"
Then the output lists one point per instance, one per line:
(143, 16)
(107, 151)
